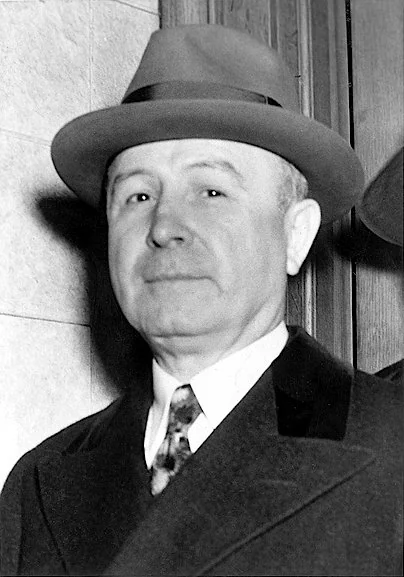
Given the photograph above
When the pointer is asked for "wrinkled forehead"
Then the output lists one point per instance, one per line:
(180, 154)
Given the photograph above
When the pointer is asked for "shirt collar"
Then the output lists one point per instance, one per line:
(220, 387)
(164, 385)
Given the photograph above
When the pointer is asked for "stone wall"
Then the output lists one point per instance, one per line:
(58, 59)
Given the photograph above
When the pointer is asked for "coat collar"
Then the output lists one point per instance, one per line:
(96, 490)
(245, 478)
(312, 389)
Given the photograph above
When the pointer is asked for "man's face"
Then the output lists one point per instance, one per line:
(197, 243)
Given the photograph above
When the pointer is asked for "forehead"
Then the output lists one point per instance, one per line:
(188, 153)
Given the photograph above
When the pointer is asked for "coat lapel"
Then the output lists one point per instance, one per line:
(97, 490)
(312, 389)
(246, 478)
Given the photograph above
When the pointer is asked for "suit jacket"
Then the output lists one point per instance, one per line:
(301, 478)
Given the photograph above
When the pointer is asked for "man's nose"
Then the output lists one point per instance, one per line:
(168, 227)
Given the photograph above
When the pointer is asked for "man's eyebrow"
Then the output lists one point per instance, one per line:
(223, 165)
(123, 176)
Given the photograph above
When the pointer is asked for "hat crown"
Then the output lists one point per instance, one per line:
(213, 54)
(210, 82)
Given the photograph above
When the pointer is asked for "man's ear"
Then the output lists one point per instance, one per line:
(302, 221)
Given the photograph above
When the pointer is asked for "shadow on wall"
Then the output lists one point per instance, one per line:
(359, 245)
(363, 246)
(377, 238)
(121, 352)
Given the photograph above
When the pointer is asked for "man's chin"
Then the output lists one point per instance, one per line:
(182, 325)
(174, 314)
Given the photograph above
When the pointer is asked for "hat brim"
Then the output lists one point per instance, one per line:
(381, 208)
(82, 149)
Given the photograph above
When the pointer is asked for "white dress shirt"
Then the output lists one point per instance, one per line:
(219, 388)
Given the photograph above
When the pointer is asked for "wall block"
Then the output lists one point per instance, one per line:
(45, 376)
(43, 274)
(120, 35)
(44, 56)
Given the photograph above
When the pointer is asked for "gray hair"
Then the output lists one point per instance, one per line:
(295, 186)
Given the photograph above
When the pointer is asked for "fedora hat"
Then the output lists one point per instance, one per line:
(212, 82)
(381, 208)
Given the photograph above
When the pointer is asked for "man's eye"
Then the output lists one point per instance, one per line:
(213, 193)
(138, 197)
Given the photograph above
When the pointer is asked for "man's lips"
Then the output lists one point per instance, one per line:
(165, 277)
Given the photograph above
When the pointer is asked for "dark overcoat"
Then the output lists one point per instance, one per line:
(303, 477)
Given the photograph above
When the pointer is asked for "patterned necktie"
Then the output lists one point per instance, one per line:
(174, 450)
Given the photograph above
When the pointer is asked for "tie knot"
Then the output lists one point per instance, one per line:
(184, 406)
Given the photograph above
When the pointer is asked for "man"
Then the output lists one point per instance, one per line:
(245, 449)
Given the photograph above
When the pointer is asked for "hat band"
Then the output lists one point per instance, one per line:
(174, 90)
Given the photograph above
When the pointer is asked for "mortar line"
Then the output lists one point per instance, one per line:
(22, 136)
(141, 8)
(41, 319)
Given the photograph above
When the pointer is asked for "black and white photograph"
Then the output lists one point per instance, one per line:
(201, 288)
